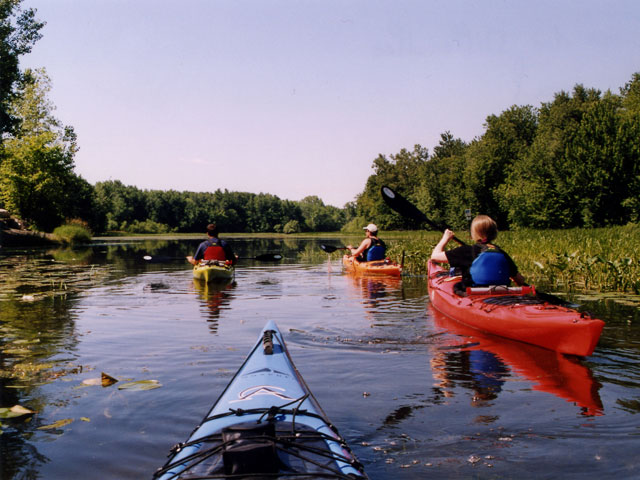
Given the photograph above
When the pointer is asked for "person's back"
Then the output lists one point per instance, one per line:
(481, 263)
(213, 249)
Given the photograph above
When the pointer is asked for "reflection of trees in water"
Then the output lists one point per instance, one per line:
(32, 335)
(216, 296)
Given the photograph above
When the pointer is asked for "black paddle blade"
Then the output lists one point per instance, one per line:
(269, 257)
(330, 248)
(161, 258)
(404, 207)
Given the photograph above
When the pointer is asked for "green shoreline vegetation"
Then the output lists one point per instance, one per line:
(573, 260)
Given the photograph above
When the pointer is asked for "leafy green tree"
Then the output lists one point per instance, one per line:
(403, 172)
(120, 204)
(19, 30)
(490, 158)
(567, 164)
(292, 226)
(319, 217)
(37, 181)
(441, 192)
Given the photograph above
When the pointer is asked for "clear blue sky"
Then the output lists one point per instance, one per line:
(298, 97)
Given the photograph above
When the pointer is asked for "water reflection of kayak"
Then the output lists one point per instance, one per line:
(520, 317)
(265, 424)
(550, 372)
(375, 267)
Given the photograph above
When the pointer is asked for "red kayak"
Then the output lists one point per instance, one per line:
(515, 313)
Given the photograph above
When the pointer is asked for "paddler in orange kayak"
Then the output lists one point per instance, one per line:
(482, 263)
(371, 248)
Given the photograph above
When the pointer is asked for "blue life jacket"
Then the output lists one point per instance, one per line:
(377, 250)
(491, 267)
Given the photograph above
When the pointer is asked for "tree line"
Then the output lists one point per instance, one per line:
(127, 208)
(571, 162)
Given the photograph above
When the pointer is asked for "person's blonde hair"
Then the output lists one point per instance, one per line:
(483, 229)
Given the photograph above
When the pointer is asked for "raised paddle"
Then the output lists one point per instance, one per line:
(404, 207)
(265, 257)
(331, 248)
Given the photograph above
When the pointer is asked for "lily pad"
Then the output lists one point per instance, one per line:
(140, 385)
(104, 380)
(15, 411)
(58, 424)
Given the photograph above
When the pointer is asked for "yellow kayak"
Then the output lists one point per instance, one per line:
(213, 271)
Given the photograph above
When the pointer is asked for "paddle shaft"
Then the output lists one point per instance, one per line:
(404, 207)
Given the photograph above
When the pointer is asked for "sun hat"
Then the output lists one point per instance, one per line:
(371, 227)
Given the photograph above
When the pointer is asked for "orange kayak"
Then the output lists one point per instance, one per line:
(514, 315)
(375, 267)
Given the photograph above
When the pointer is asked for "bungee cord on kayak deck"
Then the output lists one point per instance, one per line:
(264, 440)
(294, 439)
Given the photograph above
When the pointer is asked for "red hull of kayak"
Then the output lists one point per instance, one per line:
(553, 327)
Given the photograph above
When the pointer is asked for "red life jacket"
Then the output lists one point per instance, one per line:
(214, 251)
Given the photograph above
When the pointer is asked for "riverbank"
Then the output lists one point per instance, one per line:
(14, 234)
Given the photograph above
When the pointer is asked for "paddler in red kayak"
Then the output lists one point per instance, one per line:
(213, 249)
(371, 248)
(482, 263)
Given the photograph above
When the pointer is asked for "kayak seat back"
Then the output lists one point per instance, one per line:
(490, 268)
(250, 448)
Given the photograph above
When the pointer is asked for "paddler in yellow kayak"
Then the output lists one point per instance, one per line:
(213, 249)
(371, 248)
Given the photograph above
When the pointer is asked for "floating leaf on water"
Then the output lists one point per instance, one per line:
(58, 424)
(92, 381)
(104, 381)
(28, 298)
(15, 411)
(140, 385)
(85, 419)
(107, 380)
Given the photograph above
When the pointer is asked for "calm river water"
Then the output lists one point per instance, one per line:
(415, 395)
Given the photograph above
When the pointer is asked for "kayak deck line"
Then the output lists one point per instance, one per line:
(265, 424)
